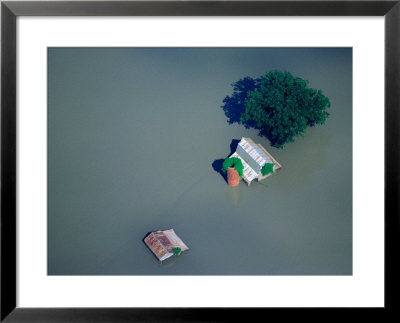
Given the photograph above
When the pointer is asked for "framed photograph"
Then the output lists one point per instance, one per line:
(225, 155)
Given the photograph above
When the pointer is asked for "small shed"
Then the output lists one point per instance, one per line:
(254, 157)
(162, 243)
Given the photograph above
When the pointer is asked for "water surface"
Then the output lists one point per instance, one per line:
(133, 135)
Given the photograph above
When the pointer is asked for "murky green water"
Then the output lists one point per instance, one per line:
(133, 138)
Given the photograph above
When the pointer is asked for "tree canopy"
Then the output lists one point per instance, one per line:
(280, 105)
(267, 168)
(233, 162)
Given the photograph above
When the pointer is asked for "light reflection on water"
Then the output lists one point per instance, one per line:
(234, 195)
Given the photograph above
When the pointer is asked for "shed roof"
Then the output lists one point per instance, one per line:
(254, 157)
(254, 151)
(162, 242)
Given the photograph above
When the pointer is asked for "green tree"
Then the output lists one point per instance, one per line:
(176, 251)
(282, 106)
(233, 162)
(267, 168)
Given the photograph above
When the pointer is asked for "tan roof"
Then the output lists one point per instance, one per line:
(162, 242)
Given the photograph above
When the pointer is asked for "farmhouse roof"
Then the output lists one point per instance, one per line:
(162, 242)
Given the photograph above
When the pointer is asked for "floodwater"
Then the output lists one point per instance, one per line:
(135, 139)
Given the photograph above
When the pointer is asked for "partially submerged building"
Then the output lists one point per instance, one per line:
(254, 157)
(163, 243)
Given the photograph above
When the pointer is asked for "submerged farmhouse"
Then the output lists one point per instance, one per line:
(164, 244)
(254, 157)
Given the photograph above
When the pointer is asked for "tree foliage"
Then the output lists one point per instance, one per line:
(267, 168)
(233, 162)
(176, 251)
(280, 105)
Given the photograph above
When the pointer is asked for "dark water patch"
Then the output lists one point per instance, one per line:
(217, 166)
(234, 105)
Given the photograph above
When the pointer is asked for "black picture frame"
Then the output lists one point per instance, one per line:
(10, 10)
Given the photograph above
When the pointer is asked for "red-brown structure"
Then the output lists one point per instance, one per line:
(161, 243)
(233, 177)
